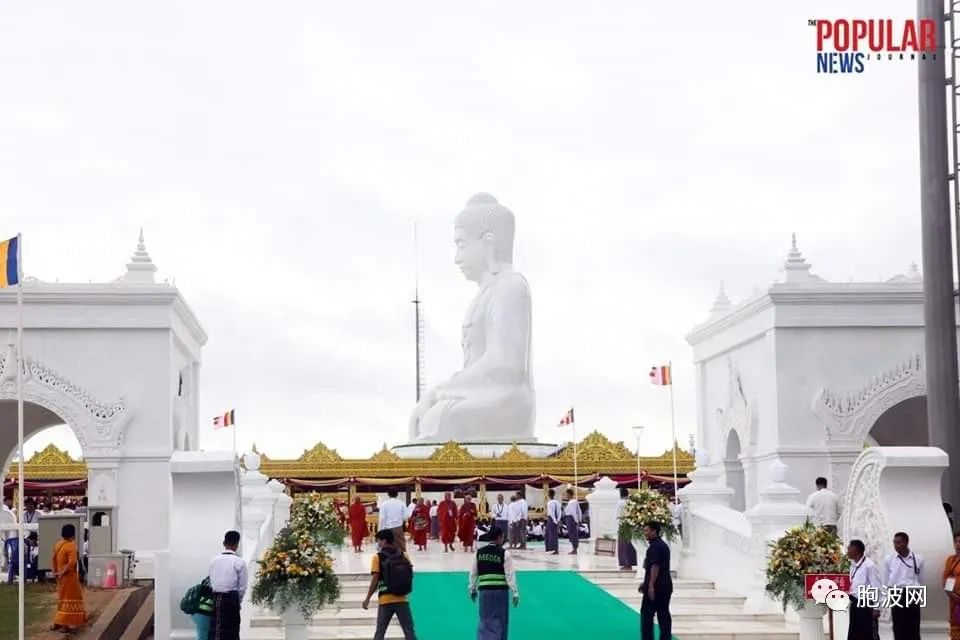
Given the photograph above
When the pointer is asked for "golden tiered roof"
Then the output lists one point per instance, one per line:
(595, 454)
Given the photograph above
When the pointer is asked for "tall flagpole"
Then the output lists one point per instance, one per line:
(21, 566)
(673, 431)
(576, 491)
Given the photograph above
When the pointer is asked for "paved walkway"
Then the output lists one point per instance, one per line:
(533, 559)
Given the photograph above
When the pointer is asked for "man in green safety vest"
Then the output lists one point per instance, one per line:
(493, 581)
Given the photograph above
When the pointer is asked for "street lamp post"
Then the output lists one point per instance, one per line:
(638, 431)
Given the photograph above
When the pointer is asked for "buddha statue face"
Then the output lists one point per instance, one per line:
(483, 235)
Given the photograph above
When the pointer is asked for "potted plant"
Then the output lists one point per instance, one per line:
(296, 579)
(802, 550)
(313, 513)
(644, 506)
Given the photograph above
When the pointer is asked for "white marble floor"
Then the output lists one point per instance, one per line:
(534, 558)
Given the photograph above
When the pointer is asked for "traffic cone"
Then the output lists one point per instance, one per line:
(110, 581)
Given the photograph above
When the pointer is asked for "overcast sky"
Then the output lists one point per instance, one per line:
(278, 155)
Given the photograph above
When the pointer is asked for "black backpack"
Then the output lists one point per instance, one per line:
(396, 572)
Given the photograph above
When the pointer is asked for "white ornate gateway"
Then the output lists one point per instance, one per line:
(119, 363)
(809, 372)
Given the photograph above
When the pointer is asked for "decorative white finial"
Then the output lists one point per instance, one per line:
(702, 458)
(778, 471)
(798, 269)
(140, 269)
(252, 461)
(722, 303)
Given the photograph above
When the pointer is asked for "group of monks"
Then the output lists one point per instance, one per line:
(454, 522)
(457, 522)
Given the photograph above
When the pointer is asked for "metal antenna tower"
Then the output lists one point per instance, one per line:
(418, 315)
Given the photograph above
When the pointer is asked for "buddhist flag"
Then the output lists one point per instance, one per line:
(226, 420)
(567, 419)
(661, 376)
(10, 262)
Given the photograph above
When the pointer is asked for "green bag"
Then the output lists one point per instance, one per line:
(198, 599)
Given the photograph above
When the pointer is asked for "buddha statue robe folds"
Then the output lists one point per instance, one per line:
(492, 398)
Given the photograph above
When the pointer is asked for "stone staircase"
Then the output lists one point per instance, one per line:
(699, 613)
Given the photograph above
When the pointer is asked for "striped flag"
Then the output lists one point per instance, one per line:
(10, 262)
(567, 419)
(226, 420)
(661, 376)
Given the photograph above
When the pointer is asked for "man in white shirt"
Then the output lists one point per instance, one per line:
(228, 581)
(864, 582)
(904, 577)
(551, 543)
(572, 517)
(524, 512)
(434, 521)
(393, 517)
(30, 513)
(513, 518)
(500, 517)
(825, 506)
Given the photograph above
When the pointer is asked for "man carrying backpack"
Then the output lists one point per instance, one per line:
(392, 580)
(197, 603)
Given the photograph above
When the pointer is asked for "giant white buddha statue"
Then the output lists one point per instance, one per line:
(492, 398)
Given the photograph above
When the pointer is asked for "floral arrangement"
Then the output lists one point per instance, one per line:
(643, 506)
(802, 550)
(296, 572)
(319, 516)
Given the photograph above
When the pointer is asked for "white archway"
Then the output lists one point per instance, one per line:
(733, 471)
(848, 417)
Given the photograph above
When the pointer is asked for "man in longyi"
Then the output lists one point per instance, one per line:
(468, 523)
(447, 512)
(552, 532)
(66, 567)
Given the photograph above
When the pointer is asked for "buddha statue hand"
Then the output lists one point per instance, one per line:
(426, 403)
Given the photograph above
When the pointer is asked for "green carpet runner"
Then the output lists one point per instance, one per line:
(559, 605)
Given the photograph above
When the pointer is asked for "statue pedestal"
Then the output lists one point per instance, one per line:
(422, 451)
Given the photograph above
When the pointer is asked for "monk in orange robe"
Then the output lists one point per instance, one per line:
(70, 612)
(420, 524)
(358, 524)
(468, 523)
(447, 513)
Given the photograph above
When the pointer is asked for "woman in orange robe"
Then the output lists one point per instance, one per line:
(358, 524)
(468, 523)
(420, 524)
(70, 612)
(951, 584)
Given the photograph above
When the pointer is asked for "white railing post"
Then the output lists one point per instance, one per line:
(779, 509)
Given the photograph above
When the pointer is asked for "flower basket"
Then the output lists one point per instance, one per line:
(296, 574)
(802, 550)
(643, 506)
(319, 516)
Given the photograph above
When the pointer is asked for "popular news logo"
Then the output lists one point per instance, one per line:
(845, 46)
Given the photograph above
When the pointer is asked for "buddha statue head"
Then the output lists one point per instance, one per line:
(483, 233)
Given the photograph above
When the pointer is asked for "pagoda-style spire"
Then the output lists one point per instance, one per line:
(913, 275)
(796, 267)
(722, 303)
(140, 269)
